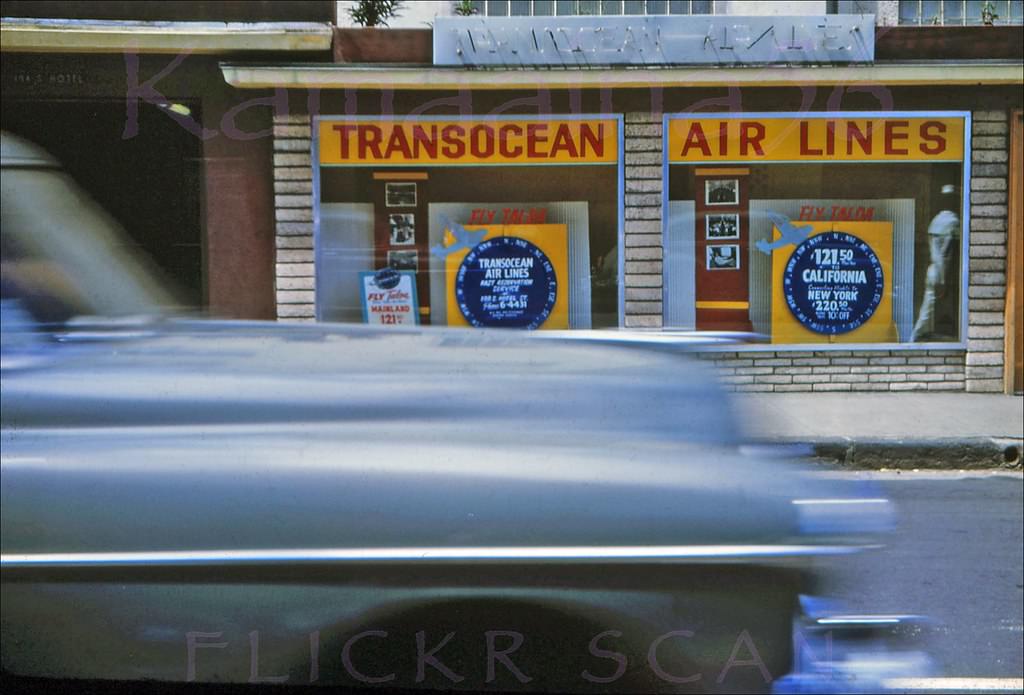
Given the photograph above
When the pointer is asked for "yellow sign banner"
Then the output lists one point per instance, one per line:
(468, 142)
(832, 139)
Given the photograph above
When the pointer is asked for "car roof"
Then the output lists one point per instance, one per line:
(19, 152)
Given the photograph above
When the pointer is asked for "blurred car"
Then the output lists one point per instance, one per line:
(249, 502)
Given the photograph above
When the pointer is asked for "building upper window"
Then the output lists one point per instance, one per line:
(852, 7)
(564, 8)
(960, 12)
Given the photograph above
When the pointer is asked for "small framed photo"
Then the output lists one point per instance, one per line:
(723, 257)
(722, 192)
(403, 228)
(722, 226)
(400, 195)
(403, 260)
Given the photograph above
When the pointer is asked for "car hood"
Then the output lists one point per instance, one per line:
(210, 436)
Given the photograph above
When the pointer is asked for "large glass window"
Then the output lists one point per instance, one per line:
(818, 229)
(487, 222)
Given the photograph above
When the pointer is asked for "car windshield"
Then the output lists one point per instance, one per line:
(56, 275)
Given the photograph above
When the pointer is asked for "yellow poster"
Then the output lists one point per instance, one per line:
(834, 286)
(516, 276)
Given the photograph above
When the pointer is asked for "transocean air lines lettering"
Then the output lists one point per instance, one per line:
(815, 139)
(472, 142)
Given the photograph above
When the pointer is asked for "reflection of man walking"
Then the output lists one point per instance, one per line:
(942, 232)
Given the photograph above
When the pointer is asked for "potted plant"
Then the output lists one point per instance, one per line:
(988, 13)
(374, 13)
(372, 42)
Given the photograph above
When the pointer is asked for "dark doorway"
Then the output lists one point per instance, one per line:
(149, 183)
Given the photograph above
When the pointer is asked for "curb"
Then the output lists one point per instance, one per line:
(952, 453)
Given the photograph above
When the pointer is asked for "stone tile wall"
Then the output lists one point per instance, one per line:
(643, 280)
(841, 370)
(293, 205)
(986, 291)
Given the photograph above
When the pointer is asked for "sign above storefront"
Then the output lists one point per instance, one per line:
(451, 142)
(580, 42)
(828, 138)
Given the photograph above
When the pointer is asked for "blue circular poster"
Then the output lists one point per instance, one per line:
(833, 283)
(506, 282)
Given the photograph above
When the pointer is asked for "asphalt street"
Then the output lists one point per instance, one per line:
(957, 557)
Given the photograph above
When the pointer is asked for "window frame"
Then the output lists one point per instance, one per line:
(620, 175)
(965, 218)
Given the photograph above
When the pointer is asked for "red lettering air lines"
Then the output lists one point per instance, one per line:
(481, 141)
(840, 137)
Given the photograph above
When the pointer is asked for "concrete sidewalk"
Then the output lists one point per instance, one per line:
(892, 430)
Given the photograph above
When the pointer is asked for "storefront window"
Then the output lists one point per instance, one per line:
(486, 222)
(818, 228)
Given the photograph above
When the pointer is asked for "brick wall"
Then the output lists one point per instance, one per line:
(293, 211)
(986, 289)
(842, 370)
(643, 182)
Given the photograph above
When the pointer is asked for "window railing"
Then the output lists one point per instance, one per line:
(566, 8)
(960, 12)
